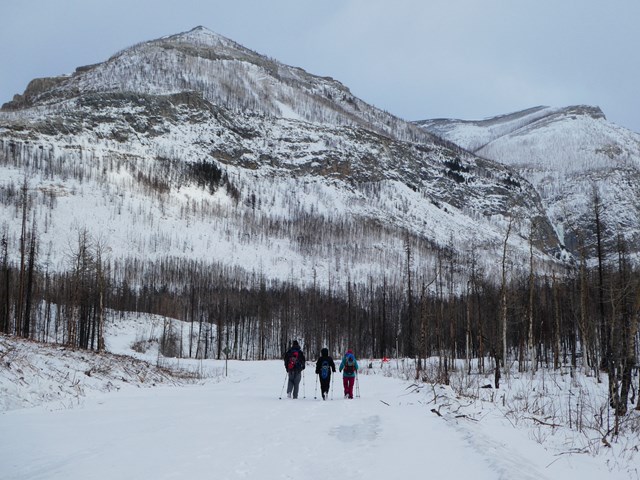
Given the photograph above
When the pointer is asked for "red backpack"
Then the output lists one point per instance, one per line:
(294, 361)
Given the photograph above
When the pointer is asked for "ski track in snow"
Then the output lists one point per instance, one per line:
(505, 461)
(237, 427)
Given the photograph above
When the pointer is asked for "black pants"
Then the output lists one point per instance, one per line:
(325, 383)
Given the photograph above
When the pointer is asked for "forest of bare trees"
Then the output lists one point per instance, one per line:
(579, 318)
(582, 316)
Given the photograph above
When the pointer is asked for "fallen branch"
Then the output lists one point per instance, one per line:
(466, 416)
(555, 425)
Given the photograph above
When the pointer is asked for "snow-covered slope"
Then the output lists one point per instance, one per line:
(474, 134)
(105, 416)
(192, 146)
(567, 154)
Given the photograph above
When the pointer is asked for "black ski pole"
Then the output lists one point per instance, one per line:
(285, 381)
(315, 391)
(304, 388)
(332, 377)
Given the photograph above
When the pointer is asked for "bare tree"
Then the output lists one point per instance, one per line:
(23, 259)
(5, 291)
(27, 331)
(500, 353)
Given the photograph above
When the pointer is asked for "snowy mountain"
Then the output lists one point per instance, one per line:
(194, 147)
(223, 73)
(567, 154)
(214, 178)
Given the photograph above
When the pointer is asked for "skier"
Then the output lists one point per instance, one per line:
(294, 363)
(350, 366)
(324, 367)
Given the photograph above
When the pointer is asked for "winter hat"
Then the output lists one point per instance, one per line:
(295, 343)
(349, 351)
(325, 352)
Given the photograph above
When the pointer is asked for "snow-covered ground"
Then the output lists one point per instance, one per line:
(211, 425)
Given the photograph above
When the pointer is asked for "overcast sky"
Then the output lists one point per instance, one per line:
(417, 59)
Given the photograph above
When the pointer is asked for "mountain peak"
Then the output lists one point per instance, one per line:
(202, 37)
(200, 28)
(587, 110)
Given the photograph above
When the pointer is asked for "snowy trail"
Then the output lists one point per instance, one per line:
(238, 428)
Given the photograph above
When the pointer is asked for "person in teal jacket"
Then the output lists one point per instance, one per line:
(349, 369)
